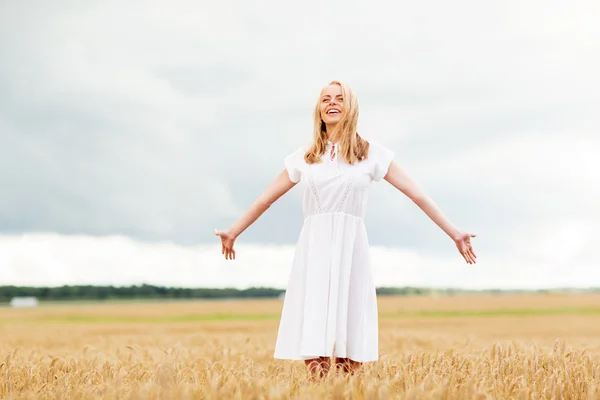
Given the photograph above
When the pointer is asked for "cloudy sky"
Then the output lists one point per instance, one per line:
(129, 131)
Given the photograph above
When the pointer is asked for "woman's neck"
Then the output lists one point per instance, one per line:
(332, 136)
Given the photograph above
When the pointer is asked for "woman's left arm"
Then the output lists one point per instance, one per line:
(398, 178)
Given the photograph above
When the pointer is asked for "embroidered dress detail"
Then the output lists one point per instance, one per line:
(313, 188)
(346, 191)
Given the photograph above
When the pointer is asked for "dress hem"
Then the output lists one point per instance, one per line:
(304, 358)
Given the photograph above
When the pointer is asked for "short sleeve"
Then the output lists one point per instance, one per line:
(381, 157)
(294, 164)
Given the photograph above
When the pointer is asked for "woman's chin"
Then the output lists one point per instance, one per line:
(332, 120)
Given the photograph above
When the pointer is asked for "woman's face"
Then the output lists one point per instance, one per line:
(331, 104)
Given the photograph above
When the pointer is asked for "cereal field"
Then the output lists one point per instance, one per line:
(464, 347)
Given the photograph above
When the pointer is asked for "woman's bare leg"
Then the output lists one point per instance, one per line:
(347, 365)
(318, 367)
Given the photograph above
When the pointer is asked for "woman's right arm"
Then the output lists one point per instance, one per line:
(281, 185)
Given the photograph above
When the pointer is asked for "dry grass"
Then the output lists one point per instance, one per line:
(196, 350)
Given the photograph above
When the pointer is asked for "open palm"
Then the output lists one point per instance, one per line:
(227, 240)
(463, 243)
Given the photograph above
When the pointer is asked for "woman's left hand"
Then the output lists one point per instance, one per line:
(465, 248)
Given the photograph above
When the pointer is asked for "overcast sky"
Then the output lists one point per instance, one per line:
(129, 130)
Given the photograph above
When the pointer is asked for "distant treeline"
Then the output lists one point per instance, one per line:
(88, 292)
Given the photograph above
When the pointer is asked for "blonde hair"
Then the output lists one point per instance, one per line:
(352, 147)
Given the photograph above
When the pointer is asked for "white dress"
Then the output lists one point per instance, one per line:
(330, 306)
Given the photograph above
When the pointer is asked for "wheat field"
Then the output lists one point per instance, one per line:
(463, 347)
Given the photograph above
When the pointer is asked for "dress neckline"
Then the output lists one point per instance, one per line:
(332, 151)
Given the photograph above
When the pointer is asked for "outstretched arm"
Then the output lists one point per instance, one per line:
(401, 181)
(274, 191)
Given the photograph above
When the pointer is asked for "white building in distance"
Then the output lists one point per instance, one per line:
(24, 302)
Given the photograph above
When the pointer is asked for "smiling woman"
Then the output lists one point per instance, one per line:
(330, 306)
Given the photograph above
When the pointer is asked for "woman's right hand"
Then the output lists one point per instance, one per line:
(274, 191)
(227, 240)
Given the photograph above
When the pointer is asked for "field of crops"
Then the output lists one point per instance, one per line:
(467, 347)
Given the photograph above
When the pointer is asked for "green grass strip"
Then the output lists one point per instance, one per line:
(85, 319)
(492, 313)
(219, 317)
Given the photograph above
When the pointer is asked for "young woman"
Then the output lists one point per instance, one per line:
(330, 306)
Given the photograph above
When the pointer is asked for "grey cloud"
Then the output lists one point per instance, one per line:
(164, 131)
